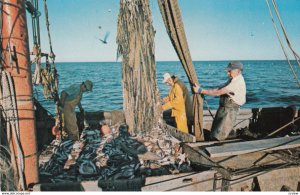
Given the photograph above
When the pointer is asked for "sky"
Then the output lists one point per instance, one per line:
(215, 29)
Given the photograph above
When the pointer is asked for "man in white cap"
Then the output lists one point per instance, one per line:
(179, 101)
(69, 99)
(232, 96)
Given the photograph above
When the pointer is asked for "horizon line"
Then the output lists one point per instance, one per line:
(171, 61)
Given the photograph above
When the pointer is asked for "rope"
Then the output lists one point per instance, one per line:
(279, 129)
(54, 71)
(38, 22)
(280, 41)
(32, 7)
(285, 33)
(208, 107)
(52, 56)
(12, 122)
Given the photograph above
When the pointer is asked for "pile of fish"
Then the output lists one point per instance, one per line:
(115, 156)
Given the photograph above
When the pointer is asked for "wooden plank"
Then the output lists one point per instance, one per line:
(156, 179)
(208, 143)
(68, 186)
(202, 181)
(183, 137)
(274, 180)
(238, 148)
(90, 186)
(198, 156)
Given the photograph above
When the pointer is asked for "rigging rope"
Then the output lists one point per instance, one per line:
(284, 126)
(52, 55)
(54, 88)
(285, 33)
(287, 39)
(32, 7)
(10, 110)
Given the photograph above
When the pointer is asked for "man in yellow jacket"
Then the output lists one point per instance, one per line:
(176, 101)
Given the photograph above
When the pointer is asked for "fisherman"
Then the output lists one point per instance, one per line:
(47, 80)
(69, 99)
(232, 96)
(179, 101)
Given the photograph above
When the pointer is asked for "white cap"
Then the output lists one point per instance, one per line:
(166, 77)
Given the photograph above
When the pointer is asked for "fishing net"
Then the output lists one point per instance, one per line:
(6, 172)
(135, 40)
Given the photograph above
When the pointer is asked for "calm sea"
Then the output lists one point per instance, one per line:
(269, 83)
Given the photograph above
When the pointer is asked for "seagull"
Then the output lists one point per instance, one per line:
(104, 41)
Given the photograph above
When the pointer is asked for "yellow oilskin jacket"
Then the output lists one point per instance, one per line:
(176, 102)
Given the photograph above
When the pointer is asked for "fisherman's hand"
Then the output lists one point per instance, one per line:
(81, 110)
(166, 99)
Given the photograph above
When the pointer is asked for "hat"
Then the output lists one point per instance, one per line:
(89, 85)
(166, 77)
(234, 65)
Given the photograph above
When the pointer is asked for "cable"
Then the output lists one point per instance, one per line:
(279, 129)
(208, 107)
(285, 33)
(12, 119)
(281, 44)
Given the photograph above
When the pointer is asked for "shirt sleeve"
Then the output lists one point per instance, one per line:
(232, 86)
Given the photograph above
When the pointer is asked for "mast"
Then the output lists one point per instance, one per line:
(16, 60)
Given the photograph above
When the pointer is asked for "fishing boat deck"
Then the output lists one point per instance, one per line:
(215, 160)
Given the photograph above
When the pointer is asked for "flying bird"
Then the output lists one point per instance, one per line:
(104, 41)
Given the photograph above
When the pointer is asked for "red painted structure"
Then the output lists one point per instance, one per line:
(15, 46)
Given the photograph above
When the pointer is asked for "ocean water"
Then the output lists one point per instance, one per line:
(269, 83)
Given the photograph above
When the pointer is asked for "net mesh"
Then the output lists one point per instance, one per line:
(6, 171)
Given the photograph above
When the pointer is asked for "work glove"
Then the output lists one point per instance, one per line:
(166, 99)
(197, 88)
